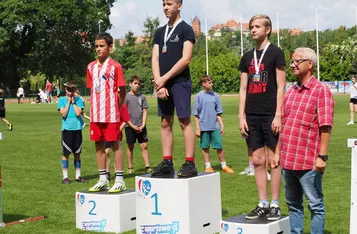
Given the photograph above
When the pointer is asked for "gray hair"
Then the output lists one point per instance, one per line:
(308, 53)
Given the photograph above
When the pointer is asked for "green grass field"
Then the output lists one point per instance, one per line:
(31, 164)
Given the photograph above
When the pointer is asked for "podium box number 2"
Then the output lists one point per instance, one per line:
(178, 205)
(105, 212)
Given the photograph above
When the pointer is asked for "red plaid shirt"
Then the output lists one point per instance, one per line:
(305, 109)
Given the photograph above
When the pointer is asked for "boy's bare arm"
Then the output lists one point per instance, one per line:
(122, 95)
(220, 121)
(243, 126)
(281, 82)
(64, 110)
(155, 62)
(198, 129)
(122, 126)
(145, 113)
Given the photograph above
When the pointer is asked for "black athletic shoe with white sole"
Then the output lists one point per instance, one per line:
(257, 213)
(274, 213)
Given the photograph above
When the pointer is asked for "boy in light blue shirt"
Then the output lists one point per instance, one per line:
(71, 107)
(207, 109)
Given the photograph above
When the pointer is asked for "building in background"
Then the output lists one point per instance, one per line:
(196, 25)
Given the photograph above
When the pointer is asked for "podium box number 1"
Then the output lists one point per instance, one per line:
(178, 205)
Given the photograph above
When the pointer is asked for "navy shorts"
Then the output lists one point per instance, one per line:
(353, 101)
(260, 133)
(179, 98)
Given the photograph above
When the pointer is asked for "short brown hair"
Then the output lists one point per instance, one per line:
(266, 23)
(205, 78)
(133, 78)
(106, 37)
(1, 92)
(71, 86)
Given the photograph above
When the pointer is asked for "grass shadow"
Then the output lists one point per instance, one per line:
(13, 217)
(224, 212)
(326, 232)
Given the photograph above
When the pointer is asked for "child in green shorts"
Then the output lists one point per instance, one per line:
(207, 110)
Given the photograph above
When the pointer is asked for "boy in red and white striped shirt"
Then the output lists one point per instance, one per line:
(105, 77)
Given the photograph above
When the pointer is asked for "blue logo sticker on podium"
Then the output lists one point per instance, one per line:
(225, 227)
(161, 228)
(144, 187)
(81, 199)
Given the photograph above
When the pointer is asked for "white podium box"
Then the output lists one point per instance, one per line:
(352, 143)
(178, 205)
(241, 225)
(105, 212)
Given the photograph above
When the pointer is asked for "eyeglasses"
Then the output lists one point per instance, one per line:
(297, 62)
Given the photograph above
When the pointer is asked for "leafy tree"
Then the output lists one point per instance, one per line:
(150, 26)
(53, 39)
(130, 38)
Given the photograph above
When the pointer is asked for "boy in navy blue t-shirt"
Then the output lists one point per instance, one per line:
(171, 56)
(208, 111)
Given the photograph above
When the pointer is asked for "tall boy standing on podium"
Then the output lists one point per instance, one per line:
(262, 90)
(208, 111)
(171, 57)
(105, 77)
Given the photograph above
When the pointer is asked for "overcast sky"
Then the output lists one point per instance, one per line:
(130, 14)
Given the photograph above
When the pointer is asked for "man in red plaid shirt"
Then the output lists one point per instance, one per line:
(307, 112)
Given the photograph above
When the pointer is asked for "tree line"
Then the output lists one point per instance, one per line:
(56, 41)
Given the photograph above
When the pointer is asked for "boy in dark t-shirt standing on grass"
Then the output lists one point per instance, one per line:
(2, 110)
(171, 57)
(262, 89)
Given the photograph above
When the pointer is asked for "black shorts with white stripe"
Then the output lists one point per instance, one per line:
(71, 142)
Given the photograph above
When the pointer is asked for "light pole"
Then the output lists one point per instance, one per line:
(99, 22)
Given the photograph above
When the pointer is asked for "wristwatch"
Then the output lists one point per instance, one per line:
(323, 157)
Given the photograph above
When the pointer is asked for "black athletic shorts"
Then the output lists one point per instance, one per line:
(2, 112)
(131, 136)
(260, 133)
(71, 142)
(353, 101)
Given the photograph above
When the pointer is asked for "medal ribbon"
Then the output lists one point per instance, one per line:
(256, 64)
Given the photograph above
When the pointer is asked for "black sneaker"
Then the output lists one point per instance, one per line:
(258, 212)
(66, 181)
(188, 169)
(81, 180)
(274, 213)
(163, 168)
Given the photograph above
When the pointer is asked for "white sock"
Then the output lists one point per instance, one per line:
(223, 164)
(78, 173)
(208, 164)
(65, 174)
(102, 174)
(119, 176)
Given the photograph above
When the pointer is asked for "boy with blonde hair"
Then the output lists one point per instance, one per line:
(262, 89)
